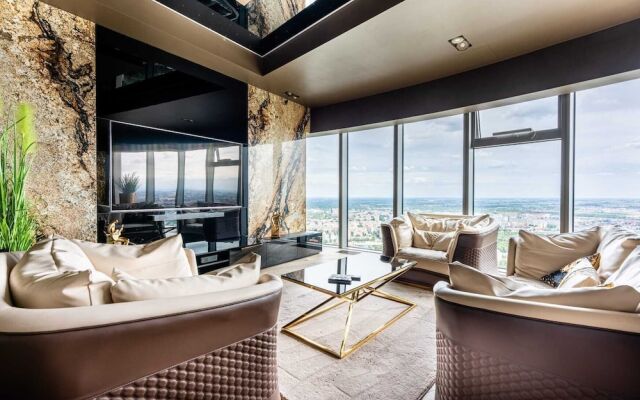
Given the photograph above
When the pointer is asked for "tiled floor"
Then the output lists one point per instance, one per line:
(398, 364)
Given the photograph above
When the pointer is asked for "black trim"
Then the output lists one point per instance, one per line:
(301, 21)
(198, 12)
(296, 37)
(354, 13)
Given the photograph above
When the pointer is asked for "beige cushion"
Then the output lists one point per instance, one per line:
(430, 223)
(615, 246)
(403, 232)
(55, 273)
(539, 255)
(128, 288)
(161, 259)
(476, 220)
(619, 298)
(433, 232)
(433, 240)
(628, 273)
(469, 279)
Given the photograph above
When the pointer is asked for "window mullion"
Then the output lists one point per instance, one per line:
(343, 177)
(565, 124)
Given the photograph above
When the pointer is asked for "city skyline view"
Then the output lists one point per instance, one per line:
(519, 185)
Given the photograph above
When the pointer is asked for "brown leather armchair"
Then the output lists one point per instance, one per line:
(493, 347)
(477, 248)
(183, 347)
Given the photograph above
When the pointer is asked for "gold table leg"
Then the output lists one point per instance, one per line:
(352, 299)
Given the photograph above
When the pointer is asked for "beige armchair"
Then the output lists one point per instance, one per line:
(475, 246)
(183, 347)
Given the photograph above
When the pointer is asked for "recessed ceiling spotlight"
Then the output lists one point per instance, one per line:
(460, 43)
(291, 95)
(189, 120)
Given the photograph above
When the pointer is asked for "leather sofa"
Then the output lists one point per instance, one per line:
(475, 247)
(494, 347)
(183, 347)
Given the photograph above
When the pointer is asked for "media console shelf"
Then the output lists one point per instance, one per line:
(273, 251)
(289, 247)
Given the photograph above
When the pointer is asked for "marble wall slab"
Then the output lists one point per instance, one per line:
(47, 58)
(277, 149)
(265, 16)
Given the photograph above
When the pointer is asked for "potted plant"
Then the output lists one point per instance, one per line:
(128, 185)
(17, 148)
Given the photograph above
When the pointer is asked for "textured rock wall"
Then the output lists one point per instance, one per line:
(265, 16)
(47, 58)
(277, 128)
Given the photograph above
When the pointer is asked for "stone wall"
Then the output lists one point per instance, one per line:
(265, 16)
(47, 59)
(277, 128)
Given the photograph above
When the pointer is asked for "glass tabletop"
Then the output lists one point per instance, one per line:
(368, 267)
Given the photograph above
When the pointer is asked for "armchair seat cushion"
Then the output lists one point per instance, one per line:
(430, 260)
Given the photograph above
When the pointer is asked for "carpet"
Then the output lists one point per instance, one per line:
(400, 363)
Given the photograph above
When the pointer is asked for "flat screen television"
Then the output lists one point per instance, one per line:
(155, 169)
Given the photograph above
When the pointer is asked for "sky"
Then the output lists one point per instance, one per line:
(606, 160)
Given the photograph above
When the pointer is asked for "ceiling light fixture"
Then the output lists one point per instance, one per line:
(460, 43)
(291, 95)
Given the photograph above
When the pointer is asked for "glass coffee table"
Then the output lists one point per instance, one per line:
(373, 274)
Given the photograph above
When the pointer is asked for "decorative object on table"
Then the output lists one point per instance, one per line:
(17, 148)
(114, 235)
(276, 221)
(128, 185)
(343, 278)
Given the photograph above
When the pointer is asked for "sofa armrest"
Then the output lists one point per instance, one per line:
(389, 249)
(550, 347)
(477, 248)
(399, 234)
(511, 255)
(86, 351)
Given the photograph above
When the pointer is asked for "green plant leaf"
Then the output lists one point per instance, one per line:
(26, 128)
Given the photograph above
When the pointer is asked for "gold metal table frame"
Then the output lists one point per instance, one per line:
(352, 297)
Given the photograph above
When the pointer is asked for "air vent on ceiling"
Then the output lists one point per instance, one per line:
(222, 7)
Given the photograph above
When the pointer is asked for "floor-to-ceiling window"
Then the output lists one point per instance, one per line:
(432, 167)
(517, 176)
(519, 186)
(517, 153)
(370, 186)
(607, 165)
(322, 187)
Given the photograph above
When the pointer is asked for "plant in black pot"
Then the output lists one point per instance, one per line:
(17, 148)
(129, 184)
